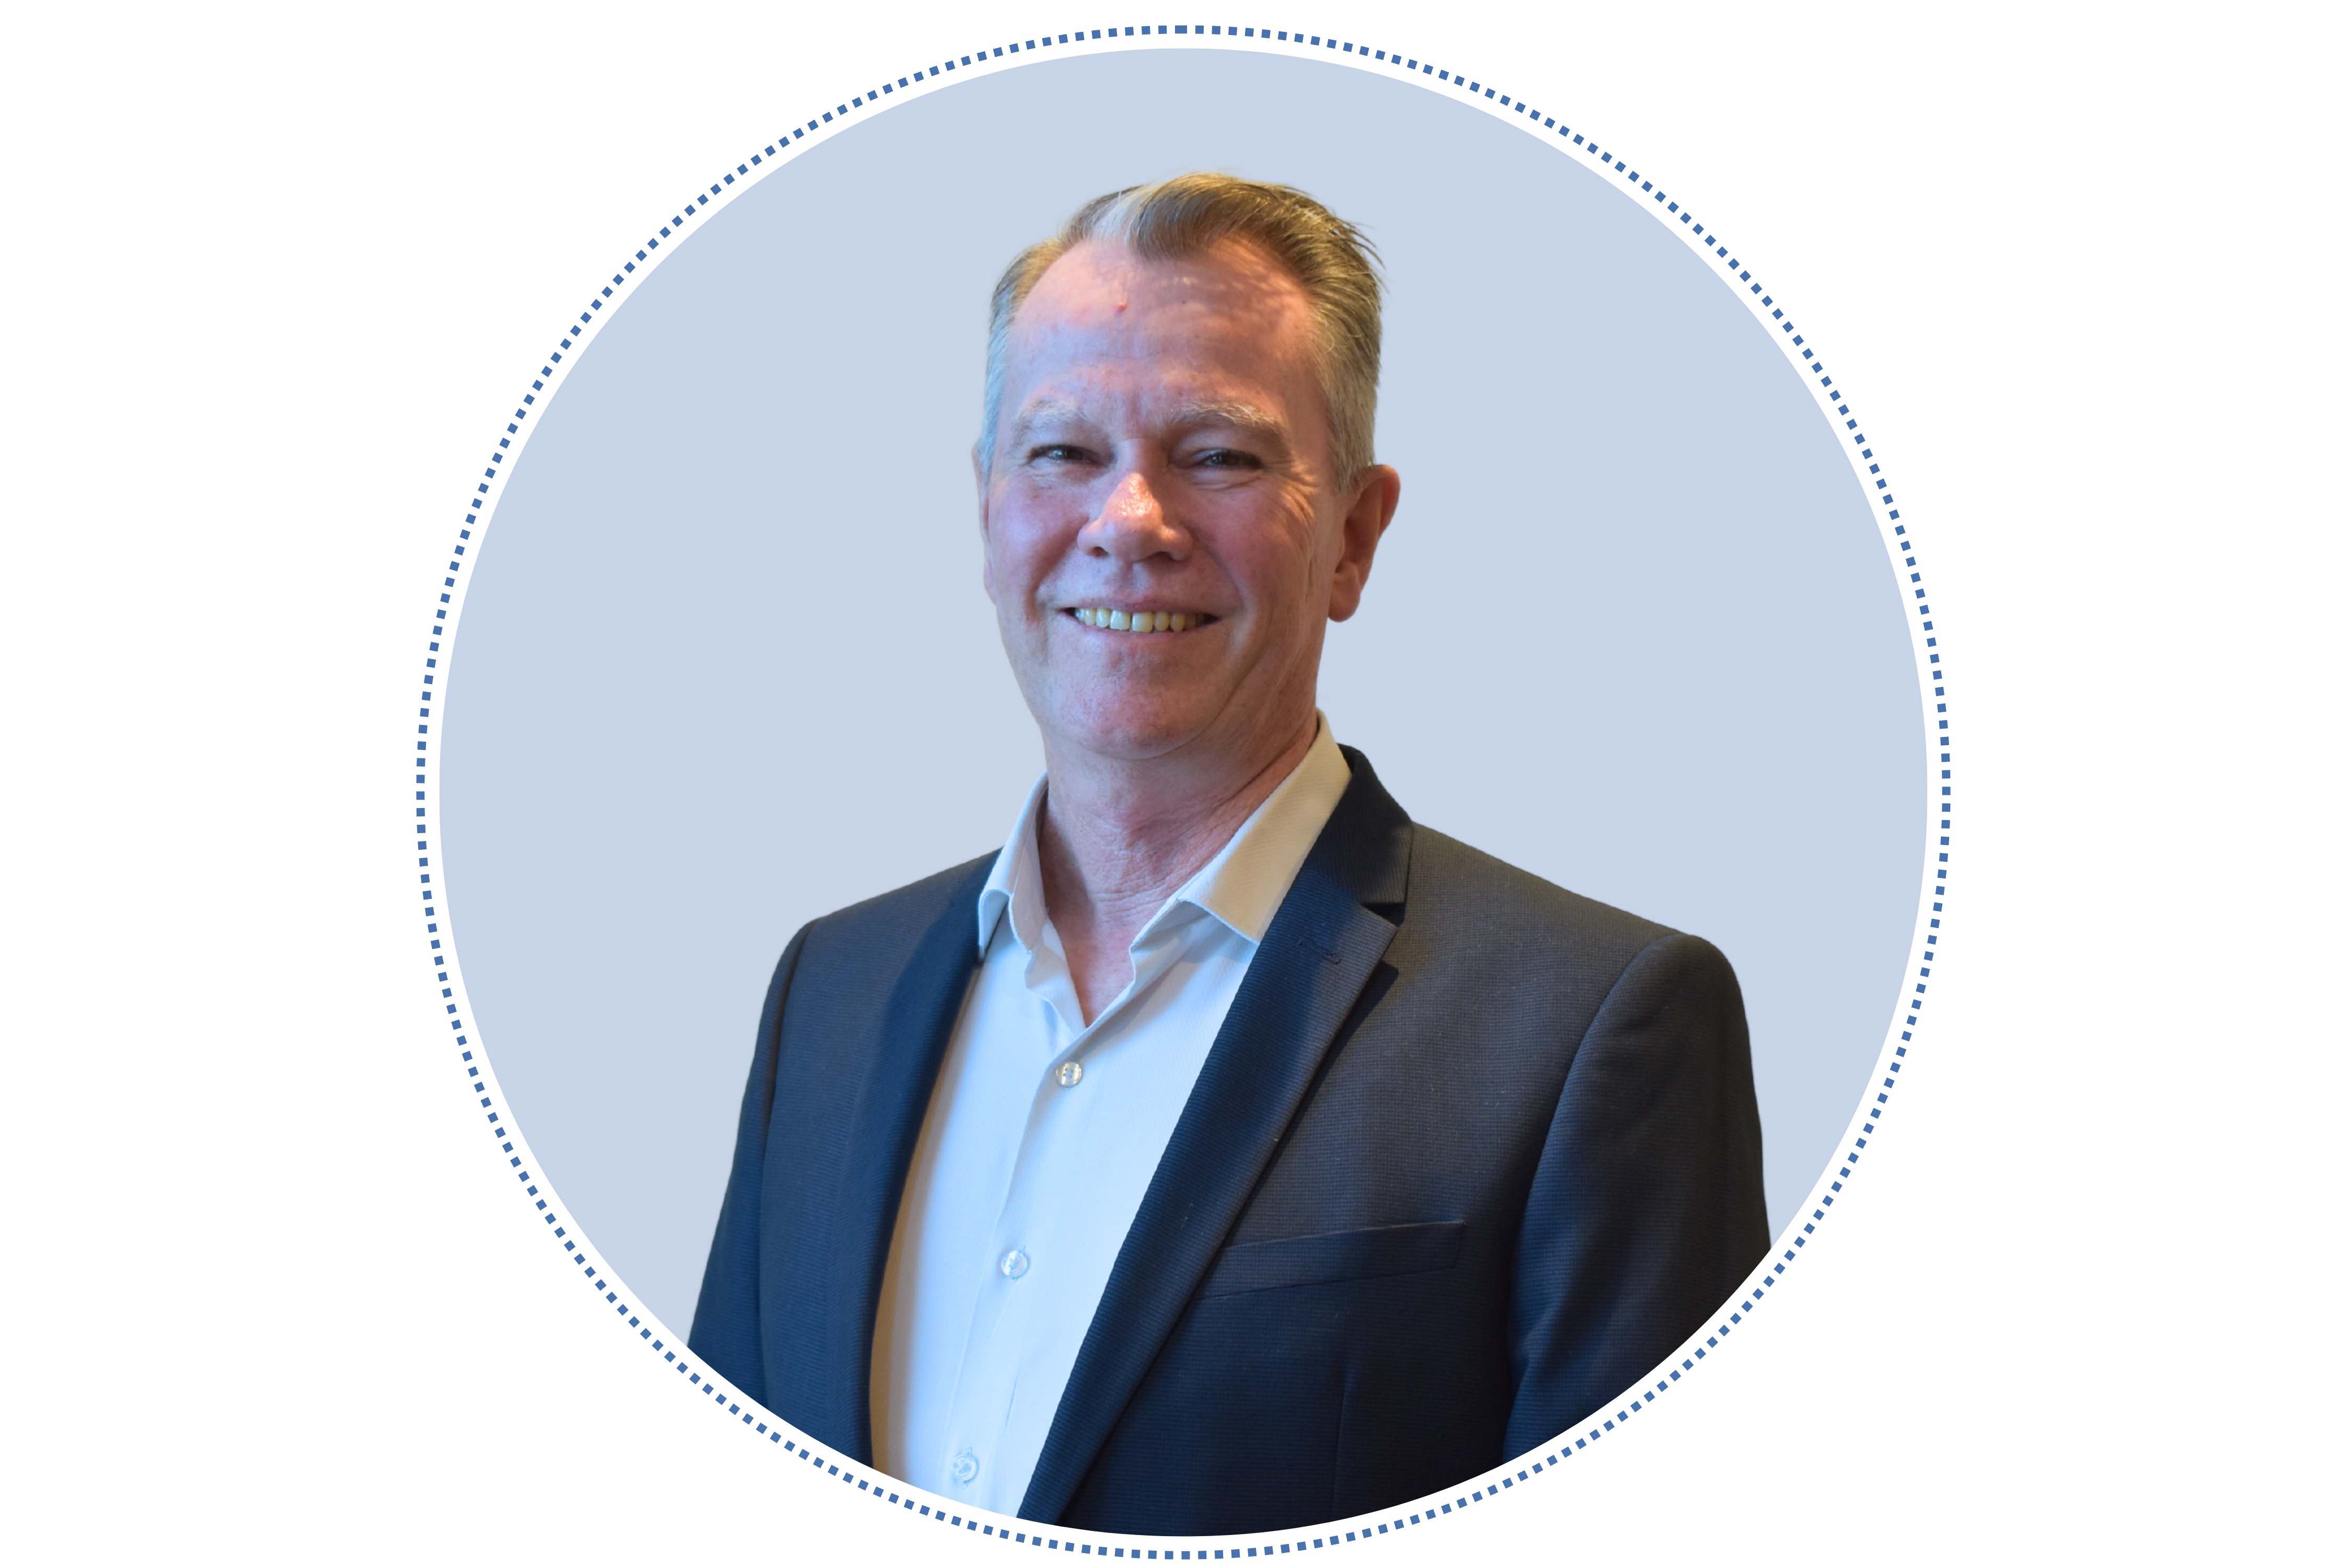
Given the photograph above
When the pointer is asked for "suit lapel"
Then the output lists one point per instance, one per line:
(902, 1059)
(1316, 957)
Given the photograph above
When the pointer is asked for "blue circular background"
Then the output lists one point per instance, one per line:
(725, 664)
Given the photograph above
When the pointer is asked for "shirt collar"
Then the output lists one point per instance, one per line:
(1015, 881)
(1242, 885)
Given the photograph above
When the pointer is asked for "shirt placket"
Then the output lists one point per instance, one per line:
(987, 1385)
(1023, 1251)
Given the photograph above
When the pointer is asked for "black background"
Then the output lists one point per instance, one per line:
(1879, 1374)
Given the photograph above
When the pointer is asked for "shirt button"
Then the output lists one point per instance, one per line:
(1070, 1073)
(965, 1468)
(1015, 1264)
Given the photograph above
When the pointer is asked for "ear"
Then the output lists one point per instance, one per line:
(1365, 519)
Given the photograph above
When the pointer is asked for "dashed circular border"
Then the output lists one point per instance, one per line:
(1588, 151)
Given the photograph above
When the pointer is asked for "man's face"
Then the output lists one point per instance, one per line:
(1162, 449)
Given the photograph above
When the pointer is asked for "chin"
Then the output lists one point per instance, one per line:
(1132, 743)
(1133, 730)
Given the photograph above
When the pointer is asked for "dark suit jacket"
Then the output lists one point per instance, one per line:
(1470, 1156)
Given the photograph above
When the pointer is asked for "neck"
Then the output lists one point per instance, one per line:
(1116, 837)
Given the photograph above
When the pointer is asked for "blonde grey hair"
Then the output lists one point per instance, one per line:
(1181, 217)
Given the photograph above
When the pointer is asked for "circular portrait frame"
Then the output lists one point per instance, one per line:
(1797, 1216)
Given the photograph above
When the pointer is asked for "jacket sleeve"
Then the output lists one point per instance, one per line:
(1647, 1208)
(726, 1318)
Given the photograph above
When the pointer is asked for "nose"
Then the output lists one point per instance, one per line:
(1132, 523)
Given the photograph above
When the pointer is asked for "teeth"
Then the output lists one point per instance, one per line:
(1138, 620)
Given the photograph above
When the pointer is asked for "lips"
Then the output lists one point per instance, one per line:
(1130, 621)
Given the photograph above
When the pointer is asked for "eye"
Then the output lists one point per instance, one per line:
(1058, 451)
(1225, 457)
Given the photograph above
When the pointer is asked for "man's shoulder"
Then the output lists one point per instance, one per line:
(1457, 886)
(1487, 940)
(916, 906)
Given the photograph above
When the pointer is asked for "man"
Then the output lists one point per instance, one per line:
(1228, 1152)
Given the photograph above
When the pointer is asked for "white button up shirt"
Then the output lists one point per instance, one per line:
(1042, 1136)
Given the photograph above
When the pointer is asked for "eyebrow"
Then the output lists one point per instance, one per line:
(1238, 414)
(1035, 414)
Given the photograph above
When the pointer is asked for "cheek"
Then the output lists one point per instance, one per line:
(1004, 550)
(1286, 561)
(1014, 561)
(1017, 534)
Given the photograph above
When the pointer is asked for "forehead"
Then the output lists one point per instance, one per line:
(1103, 316)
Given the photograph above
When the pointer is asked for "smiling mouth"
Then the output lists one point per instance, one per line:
(1140, 620)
